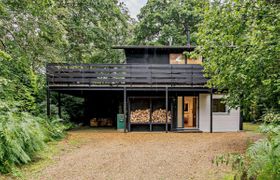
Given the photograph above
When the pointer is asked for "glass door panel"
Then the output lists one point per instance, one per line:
(186, 112)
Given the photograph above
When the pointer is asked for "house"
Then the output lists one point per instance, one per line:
(156, 89)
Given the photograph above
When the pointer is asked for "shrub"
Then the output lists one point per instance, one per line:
(262, 158)
(22, 135)
(271, 118)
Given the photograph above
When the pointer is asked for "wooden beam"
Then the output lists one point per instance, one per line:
(211, 111)
(48, 103)
(166, 109)
(59, 105)
(124, 108)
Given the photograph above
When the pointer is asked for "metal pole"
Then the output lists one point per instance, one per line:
(128, 116)
(211, 111)
(166, 109)
(48, 103)
(124, 108)
(59, 105)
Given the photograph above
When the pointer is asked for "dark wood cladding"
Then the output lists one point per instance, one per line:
(124, 75)
(151, 54)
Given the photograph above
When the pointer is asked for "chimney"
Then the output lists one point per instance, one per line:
(170, 40)
(188, 38)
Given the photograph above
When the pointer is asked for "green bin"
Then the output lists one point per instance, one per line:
(120, 121)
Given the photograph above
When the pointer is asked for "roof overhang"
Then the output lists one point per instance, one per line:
(156, 48)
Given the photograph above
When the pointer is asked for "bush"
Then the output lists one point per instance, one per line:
(271, 118)
(22, 135)
(21, 132)
(262, 158)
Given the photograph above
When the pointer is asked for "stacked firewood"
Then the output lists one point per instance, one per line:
(143, 116)
(95, 122)
(140, 116)
(159, 116)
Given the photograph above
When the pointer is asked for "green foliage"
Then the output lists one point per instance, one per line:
(161, 20)
(252, 127)
(240, 41)
(271, 118)
(33, 33)
(21, 133)
(93, 27)
(73, 107)
(262, 158)
(20, 138)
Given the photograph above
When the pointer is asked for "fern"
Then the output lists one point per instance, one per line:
(21, 133)
(262, 158)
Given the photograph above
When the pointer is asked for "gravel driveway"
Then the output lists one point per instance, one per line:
(112, 155)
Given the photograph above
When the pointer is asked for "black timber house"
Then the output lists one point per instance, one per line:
(156, 89)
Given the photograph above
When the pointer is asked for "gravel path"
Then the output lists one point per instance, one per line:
(112, 155)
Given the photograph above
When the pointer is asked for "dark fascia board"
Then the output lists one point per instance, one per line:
(171, 89)
(141, 47)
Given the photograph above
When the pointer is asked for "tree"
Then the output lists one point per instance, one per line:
(32, 34)
(93, 27)
(240, 41)
(161, 20)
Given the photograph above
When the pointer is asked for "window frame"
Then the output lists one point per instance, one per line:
(226, 112)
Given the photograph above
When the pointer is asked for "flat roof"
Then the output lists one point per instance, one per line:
(141, 47)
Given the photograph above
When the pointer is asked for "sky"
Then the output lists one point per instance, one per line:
(134, 6)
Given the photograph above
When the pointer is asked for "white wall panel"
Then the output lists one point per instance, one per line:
(222, 122)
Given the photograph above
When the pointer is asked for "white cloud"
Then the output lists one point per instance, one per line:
(134, 6)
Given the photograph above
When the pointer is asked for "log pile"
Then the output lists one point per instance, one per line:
(159, 116)
(140, 116)
(103, 122)
(143, 116)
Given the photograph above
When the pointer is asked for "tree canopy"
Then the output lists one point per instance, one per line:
(239, 40)
(161, 20)
(35, 33)
(240, 43)
(32, 34)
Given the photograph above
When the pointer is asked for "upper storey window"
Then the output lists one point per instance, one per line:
(181, 59)
(177, 59)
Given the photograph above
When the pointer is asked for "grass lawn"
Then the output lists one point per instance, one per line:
(247, 126)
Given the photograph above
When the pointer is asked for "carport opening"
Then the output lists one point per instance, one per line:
(101, 109)
(87, 108)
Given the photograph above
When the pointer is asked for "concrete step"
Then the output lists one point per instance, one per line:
(188, 131)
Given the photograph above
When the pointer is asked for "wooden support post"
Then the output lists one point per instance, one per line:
(124, 108)
(166, 109)
(48, 103)
(151, 111)
(171, 123)
(59, 105)
(240, 119)
(128, 116)
(211, 111)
